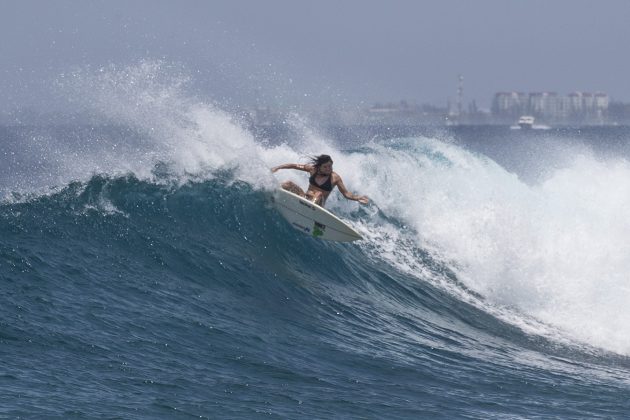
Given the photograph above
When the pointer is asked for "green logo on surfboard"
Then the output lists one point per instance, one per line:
(318, 229)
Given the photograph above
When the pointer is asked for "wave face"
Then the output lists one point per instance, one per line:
(145, 273)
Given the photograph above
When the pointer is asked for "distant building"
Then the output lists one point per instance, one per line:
(510, 104)
(602, 103)
(576, 107)
(545, 104)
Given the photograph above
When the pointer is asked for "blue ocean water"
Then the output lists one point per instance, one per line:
(145, 273)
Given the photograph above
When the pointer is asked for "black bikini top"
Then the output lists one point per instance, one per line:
(326, 186)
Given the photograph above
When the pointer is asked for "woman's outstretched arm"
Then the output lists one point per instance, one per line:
(342, 188)
(298, 166)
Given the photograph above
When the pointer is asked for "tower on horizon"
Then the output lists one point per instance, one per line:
(460, 94)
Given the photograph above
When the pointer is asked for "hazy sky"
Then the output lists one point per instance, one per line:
(321, 52)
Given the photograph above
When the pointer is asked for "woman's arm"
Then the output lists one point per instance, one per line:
(298, 166)
(342, 188)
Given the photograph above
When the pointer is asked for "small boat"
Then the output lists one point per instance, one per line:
(526, 122)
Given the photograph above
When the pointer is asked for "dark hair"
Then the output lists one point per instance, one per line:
(318, 161)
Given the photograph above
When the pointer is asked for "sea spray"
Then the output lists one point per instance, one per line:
(554, 252)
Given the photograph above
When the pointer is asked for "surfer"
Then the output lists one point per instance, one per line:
(322, 181)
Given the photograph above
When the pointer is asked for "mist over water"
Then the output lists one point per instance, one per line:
(544, 252)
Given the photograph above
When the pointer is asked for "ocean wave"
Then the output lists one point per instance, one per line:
(145, 250)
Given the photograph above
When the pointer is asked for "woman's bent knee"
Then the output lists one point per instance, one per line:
(290, 186)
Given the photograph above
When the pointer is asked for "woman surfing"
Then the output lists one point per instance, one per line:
(321, 182)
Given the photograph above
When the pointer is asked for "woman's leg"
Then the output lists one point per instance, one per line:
(316, 197)
(292, 187)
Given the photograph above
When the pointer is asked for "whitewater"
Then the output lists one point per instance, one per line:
(146, 274)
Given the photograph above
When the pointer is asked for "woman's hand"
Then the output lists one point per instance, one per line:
(363, 199)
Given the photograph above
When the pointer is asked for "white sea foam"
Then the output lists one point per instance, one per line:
(555, 252)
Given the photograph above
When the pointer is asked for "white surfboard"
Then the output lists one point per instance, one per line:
(312, 219)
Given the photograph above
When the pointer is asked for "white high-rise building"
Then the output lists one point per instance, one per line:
(510, 103)
(549, 106)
